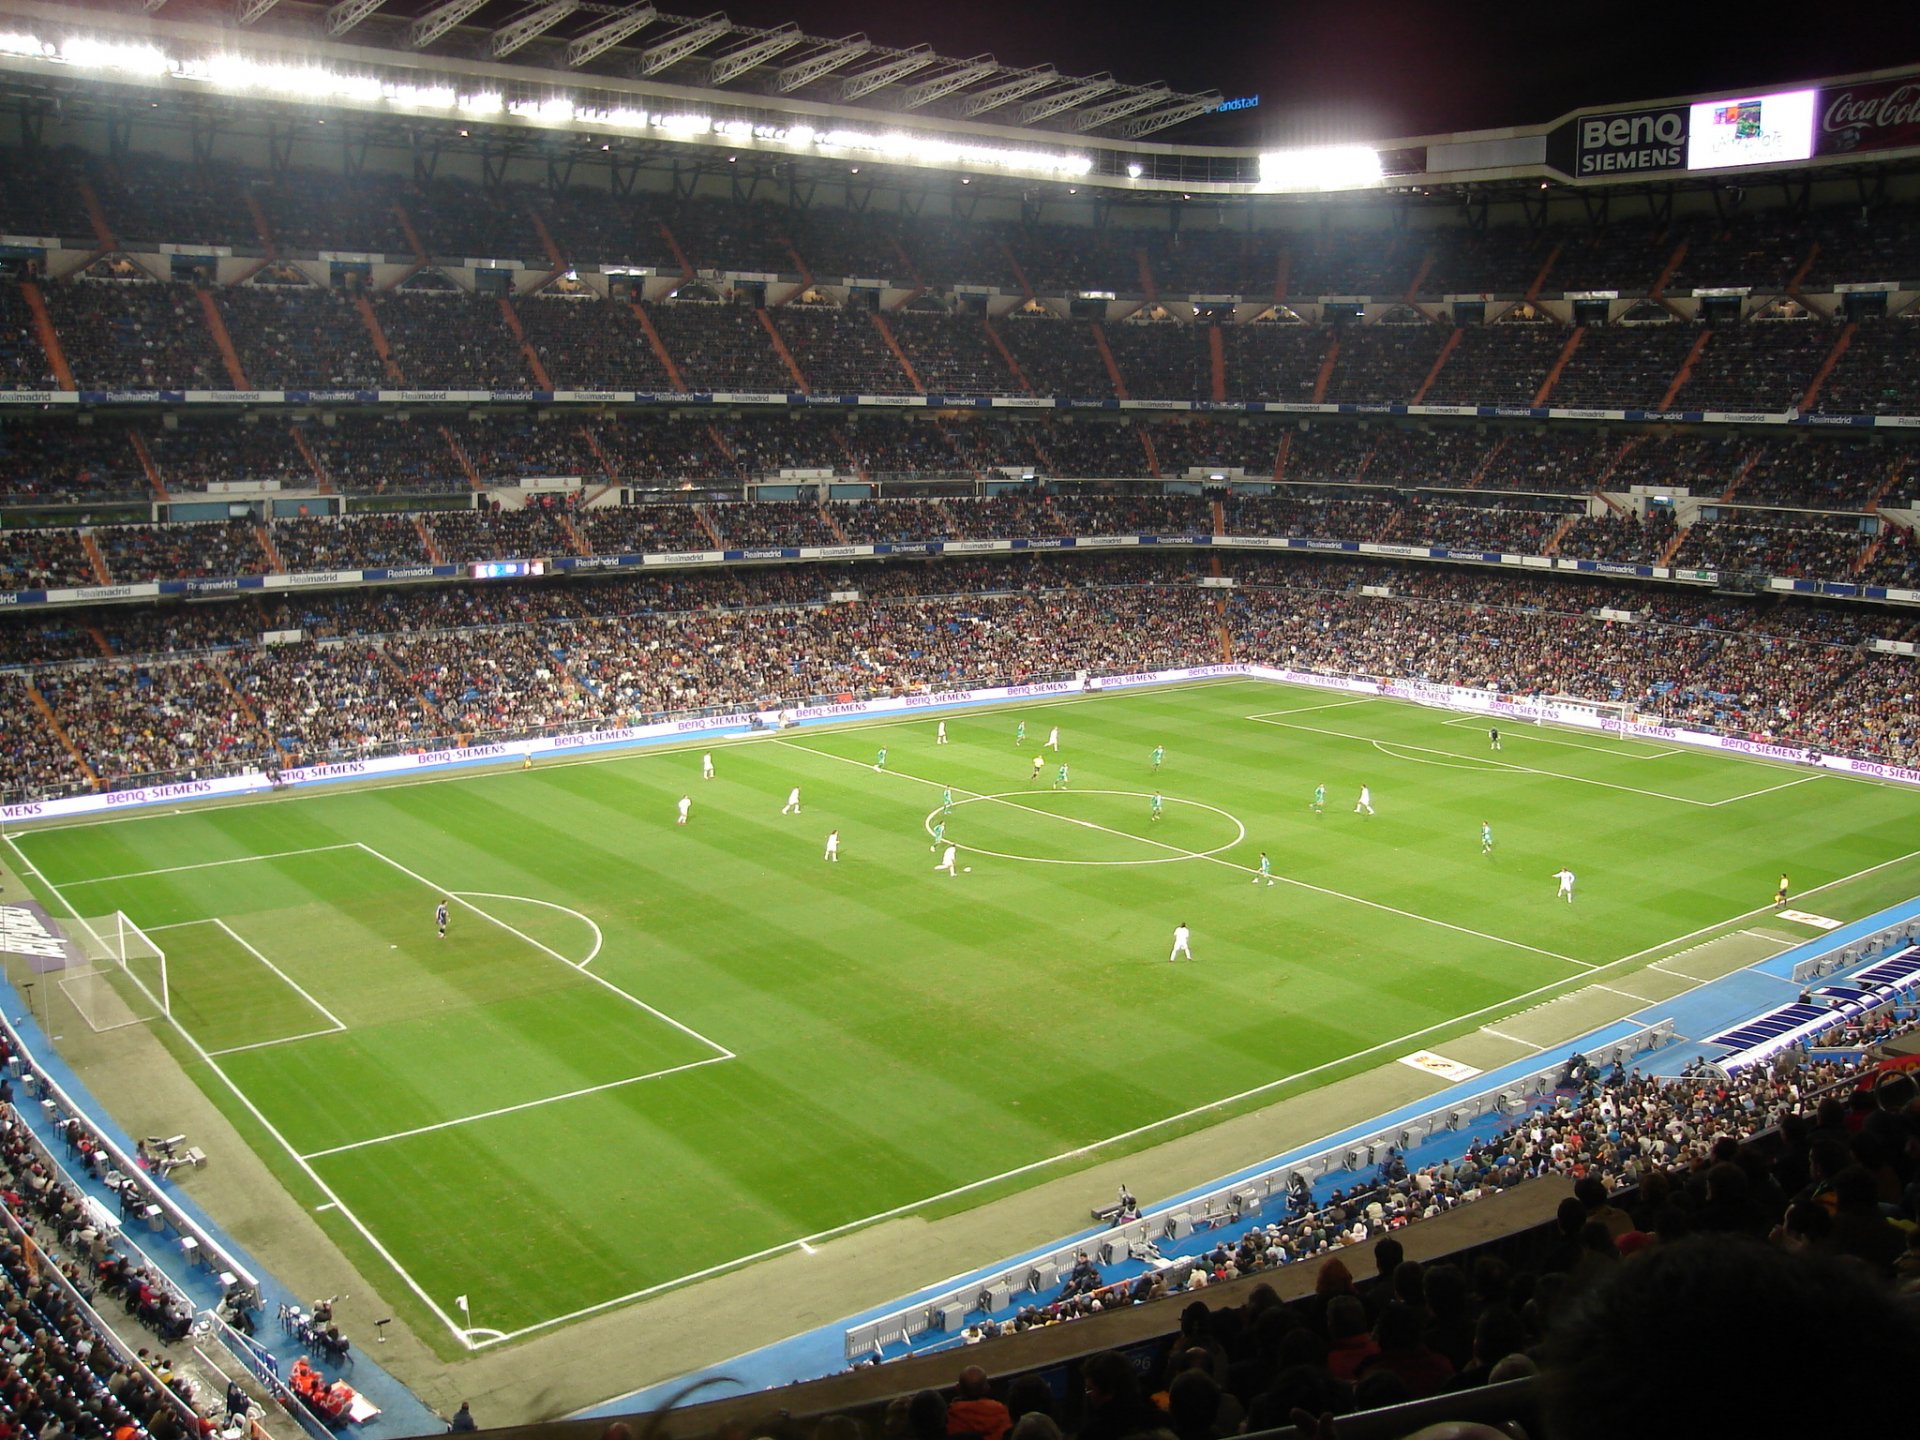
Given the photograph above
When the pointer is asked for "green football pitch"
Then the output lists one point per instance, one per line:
(645, 1051)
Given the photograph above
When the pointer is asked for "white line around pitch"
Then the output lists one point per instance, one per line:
(212, 864)
(1511, 1039)
(1212, 860)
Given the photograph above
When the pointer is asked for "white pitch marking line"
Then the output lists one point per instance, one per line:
(598, 938)
(1303, 709)
(1486, 763)
(1216, 860)
(514, 1108)
(291, 983)
(1511, 1039)
(283, 1040)
(599, 980)
(1755, 794)
(1627, 994)
(210, 864)
(1627, 747)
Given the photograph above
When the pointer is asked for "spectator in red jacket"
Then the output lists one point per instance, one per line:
(974, 1411)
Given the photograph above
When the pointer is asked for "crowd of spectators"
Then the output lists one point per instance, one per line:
(952, 354)
(1385, 362)
(211, 548)
(1803, 545)
(299, 338)
(586, 343)
(720, 347)
(1499, 364)
(59, 1376)
(23, 359)
(1758, 365)
(1627, 364)
(456, 341)
(135, 335)
(1880, 372)
(1058, 357)
(841, 352)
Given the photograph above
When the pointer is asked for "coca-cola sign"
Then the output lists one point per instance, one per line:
(1882, 115)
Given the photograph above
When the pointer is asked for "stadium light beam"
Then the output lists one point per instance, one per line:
(934, 87)
(439, 20)
(683, 42)
(1075, 94)
(878, 77)
(1186, 108)
(742, 58)
(347, 14)
(603, 37)
(1320, 167)
(824, 61)
(530, 25)
(1023, 82)
(248, 11)
(1105, 113)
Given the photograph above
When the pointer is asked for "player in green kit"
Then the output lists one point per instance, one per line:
(1156, 806)
(1060, 777)
(1020, 733)
(939, 835)
(1159, 754)
(946, 801)
(1319, 799)
(880, 760)
(1266, 870)
(1486, 838)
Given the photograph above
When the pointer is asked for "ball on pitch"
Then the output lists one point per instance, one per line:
(967, 868)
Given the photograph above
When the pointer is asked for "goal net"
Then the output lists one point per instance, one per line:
(121, 977)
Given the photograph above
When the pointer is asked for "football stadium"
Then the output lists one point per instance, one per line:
(724, 729)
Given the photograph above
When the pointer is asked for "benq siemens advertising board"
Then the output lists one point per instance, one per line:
(1624, 142)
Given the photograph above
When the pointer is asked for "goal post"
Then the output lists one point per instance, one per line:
(122, 978)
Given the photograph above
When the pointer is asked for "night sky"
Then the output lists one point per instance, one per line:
(1329, 70)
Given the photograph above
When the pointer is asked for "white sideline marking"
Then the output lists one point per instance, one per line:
(722, 1051)
(514, 1108)
(1212, 859)
(598, 939)
(1511, 1039)
(1625, 994)
(209, 865)
(1485, 762)
(1303, 709)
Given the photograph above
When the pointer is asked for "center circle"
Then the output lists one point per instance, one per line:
(1112, 821)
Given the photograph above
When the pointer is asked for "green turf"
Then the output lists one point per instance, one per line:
(766, 1047)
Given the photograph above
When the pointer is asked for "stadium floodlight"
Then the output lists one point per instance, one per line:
(248, 11)
(1320, 167)
(1078, 93)
(934, 87)
(1022, 82)
(683, 42)
(757, 51)
(604, 36)
(1186, 108)
(347, 14)
(824, 61)
(439, 20)
(876, 77)
(1107, 111)
(530, 25)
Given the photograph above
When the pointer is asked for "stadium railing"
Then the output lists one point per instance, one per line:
(1225, 1204)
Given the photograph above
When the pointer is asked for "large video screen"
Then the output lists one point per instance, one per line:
(1753, 130)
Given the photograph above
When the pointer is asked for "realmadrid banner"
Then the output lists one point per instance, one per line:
(1882, 115)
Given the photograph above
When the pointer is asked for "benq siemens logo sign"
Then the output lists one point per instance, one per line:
(1632, 141)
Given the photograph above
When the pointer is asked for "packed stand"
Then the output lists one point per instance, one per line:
(952, 354)
(1223, 444)
(841, 352)
(1162, 359)
(1880, 372)
(1625, 365)
(1804, 546)
(1267, 361)
(586, 343)
(505, 449)
(458, 341)
(170, 717)
(43, 462)
(23, 360)
(1499, 364)
(1758, 365)
(299, 338)
(1058, 357)
(467, 535)
(1384, 362)
(760, 523)
(1620, 539)
(205, 550)
(135, 335)
(720, 347)
(1829, 472)
(389, 455)
(190, 455)
(648, 449)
